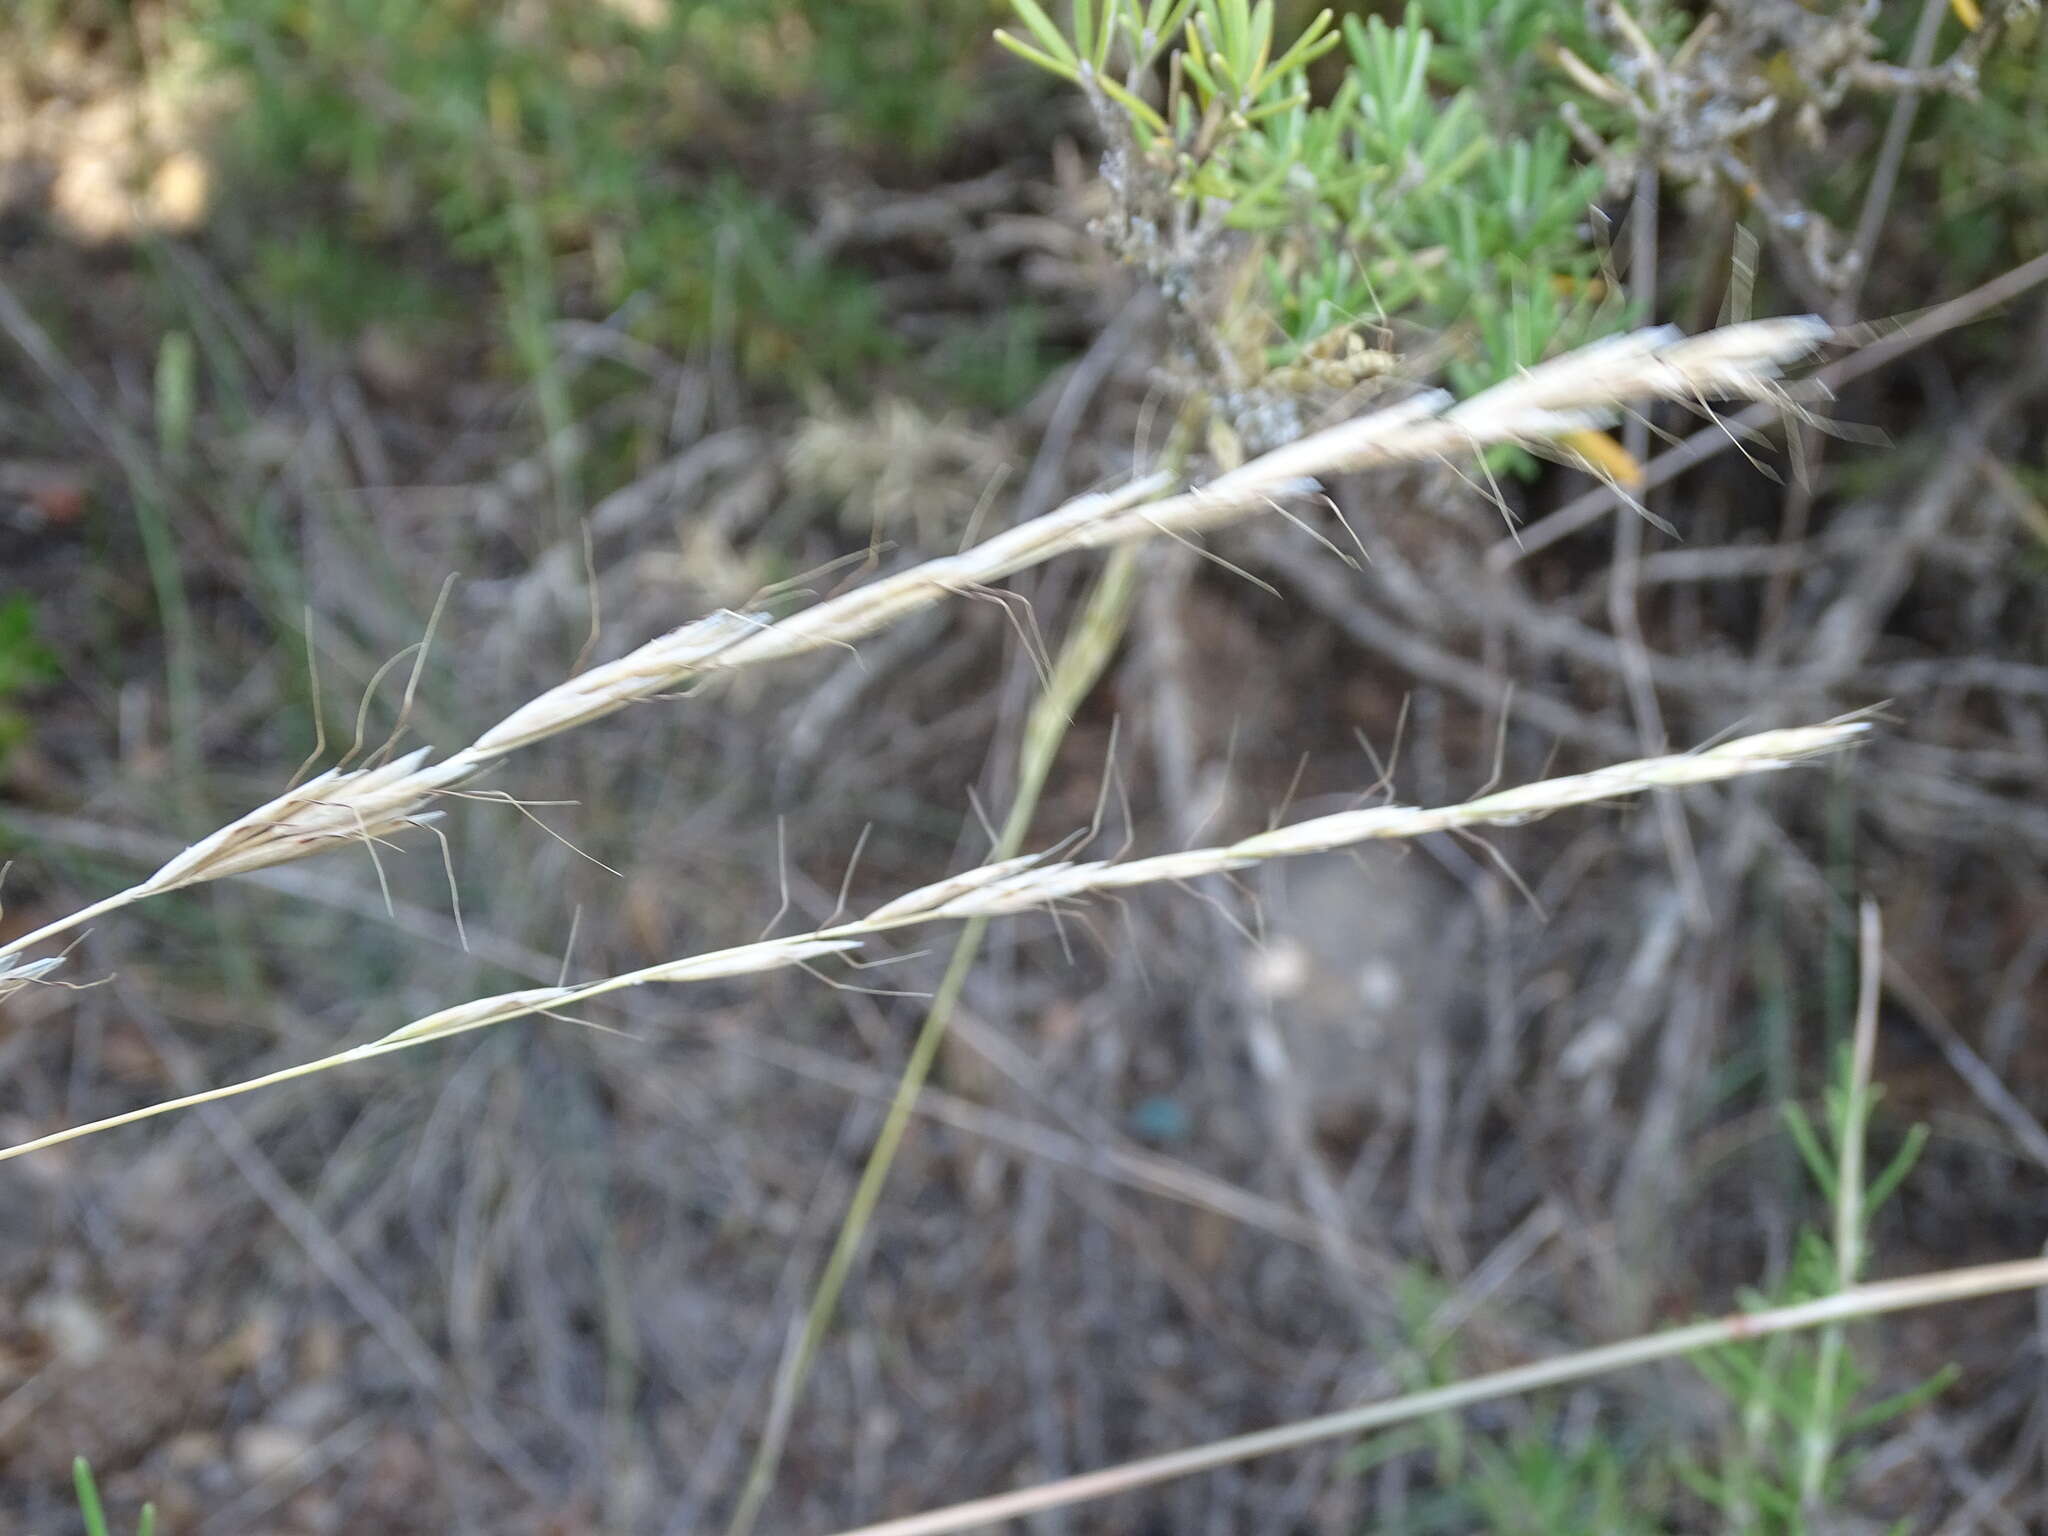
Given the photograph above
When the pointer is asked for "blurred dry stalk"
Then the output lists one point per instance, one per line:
(896, 471)
(1852, 1303)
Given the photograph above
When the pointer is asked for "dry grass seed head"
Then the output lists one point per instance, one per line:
(1564, 395)
(1018, 884)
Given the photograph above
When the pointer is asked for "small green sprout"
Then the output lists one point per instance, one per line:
(93, 1512)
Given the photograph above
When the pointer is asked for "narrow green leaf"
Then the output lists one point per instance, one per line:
(1882, 1187)
(1261, 48)
(1234, 25)
(1817, 1161)
(1167, 17)
(1048, 35)
(176, 366)
(1357, 40)
(1024, 50)
(1198, 71)
(1205, 48)
(1316, 39)
(1899, 1402)
(89, 1509)
(1781, 1503)
(1734, 1371)
(1105, 36)
(1265, 110)
(1418, 71)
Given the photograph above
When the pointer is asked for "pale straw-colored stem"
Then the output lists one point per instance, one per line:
(62, 925)
(1019, 884)
(1863, 1301)
(16, 974)
(1568, 394)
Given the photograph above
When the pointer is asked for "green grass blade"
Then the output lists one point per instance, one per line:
(1050, 38)
(89, 1508)
(1025, 51)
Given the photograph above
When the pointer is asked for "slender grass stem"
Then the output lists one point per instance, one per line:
(1860, 1302)
(1082, 658)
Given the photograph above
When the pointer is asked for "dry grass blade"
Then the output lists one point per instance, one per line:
(1019, 884)
(14, 975)
(1569, 393)
(1860, 1302)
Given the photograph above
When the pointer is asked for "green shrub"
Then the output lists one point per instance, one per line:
(1987, 160)
(1437, 199)
(1395, 202)
(25, 662)
(583, 157)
